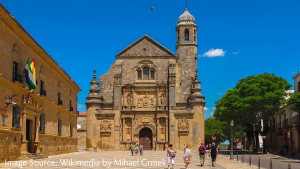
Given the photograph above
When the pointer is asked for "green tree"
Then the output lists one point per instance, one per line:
(212, 125)
(253, 99)
(294, 102)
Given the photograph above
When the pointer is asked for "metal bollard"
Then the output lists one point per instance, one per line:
(289, 165)
(250, 160)
(243, 158)
(270, 163)
(237, 156)
(258, 162)
(95, 149)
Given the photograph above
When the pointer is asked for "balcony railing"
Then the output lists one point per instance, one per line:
(43, 93)
(18, 78)
(296, 119)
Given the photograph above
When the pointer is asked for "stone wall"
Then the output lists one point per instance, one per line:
(10, 145)
(81, 137)
(53, 145)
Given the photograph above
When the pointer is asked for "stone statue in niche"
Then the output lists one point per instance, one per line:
(162, 99)
(183, 124)
(129, 99)
(146, 101)
(105, 125)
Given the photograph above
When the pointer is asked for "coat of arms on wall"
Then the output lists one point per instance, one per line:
(105, 125)
(146, 101)
(183, 124)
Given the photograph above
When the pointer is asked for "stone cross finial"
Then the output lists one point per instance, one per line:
(94, 72)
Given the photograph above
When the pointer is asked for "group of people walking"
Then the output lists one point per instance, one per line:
(136, 148)
(187, 155)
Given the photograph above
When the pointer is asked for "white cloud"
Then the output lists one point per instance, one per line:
(79, 106)
(220, 93)
(235, 53)
(214, 52)
(205, 108)
(212, 113)
(214, 108)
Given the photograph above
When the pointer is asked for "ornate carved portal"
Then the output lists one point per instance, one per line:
(145, 138)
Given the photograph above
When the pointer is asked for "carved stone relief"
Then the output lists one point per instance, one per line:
(172, 80)
(183, 124)
(146, 101)
(105, 125)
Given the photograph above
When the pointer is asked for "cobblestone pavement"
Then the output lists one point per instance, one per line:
(119, 159)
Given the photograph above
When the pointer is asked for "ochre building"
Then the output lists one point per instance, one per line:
(150, 96)
(39, 122)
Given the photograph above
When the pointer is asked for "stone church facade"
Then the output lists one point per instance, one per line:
(150, 96)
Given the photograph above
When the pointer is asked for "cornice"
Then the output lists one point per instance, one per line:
(16, 27)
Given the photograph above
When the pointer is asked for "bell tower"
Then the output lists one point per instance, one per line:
(186, 47)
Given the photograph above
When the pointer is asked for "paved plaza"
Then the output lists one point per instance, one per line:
(150, 159)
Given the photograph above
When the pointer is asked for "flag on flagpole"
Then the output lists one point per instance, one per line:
(30, 74)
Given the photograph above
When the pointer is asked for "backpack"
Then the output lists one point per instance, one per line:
(202, 150)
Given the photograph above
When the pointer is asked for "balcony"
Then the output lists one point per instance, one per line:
(43, 93)
(296, 119)
(18, 78)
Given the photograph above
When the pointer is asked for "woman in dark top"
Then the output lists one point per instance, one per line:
(213, 153)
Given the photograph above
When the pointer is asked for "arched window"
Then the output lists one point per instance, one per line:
(139, 74)
(146, 73)
(186, 35)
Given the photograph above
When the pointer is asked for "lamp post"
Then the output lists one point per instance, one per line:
(7, 102)
(231, 151)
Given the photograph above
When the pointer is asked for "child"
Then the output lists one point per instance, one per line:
(136, 149)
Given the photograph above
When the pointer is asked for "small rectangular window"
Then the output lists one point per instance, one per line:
(71, 129)
(42, 122)
(16, 116)
(15, 71)
(152, 74)
(59, 126)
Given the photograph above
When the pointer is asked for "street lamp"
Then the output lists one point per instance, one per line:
(231, 152)
(7, 102)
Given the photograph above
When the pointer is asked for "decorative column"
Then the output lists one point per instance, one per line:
(36, 141)
(132, 135)
(123, 132)
(157, 129)
(172, 102)
(167, 132)
(24, 143)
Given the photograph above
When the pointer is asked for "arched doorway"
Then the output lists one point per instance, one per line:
(146, 138)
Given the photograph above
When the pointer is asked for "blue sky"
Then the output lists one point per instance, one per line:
(254, 36)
